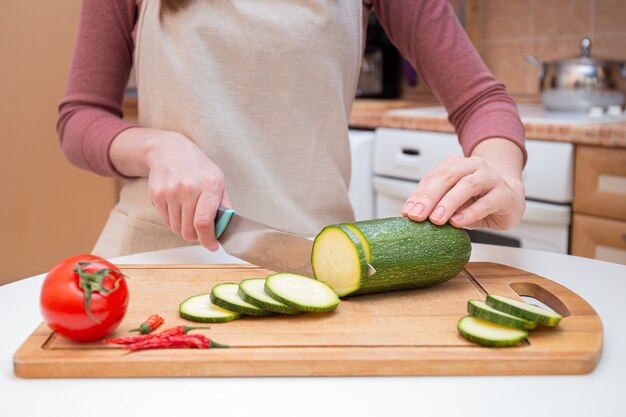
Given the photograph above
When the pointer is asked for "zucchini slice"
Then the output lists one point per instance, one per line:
(404, 253)
(481, 310)
(300, 292)
(339, 260)
(364, 243)
(524, 310)
(199, 308)
(253, 291)
(226, 296)
(490, 334)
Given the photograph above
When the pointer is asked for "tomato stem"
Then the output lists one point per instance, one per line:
(93, 281)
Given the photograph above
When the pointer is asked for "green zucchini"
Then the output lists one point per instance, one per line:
(226, 295)
(199, 308)
(524, 310)
(481, 310)
(490, 334)
(404, 253)
(300, 292)
(253, 291)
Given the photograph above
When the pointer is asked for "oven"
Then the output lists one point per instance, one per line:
(402, 157)
(361, 190)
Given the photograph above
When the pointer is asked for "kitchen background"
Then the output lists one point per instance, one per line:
(506, 31)
(50, 210)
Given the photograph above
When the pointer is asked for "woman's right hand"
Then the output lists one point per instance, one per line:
(185, 186)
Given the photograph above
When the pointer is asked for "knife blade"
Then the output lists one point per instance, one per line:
(262, 245)
(265, 246)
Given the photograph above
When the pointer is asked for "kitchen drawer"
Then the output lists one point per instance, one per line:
(599, 238)
(600, 182)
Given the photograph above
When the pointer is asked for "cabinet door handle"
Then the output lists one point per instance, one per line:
(410, 151)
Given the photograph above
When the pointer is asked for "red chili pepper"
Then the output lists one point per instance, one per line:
(174, 331)
(187, 341)
(150, 324)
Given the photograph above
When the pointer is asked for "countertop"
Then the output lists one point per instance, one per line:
(371, 114)
(600, 393)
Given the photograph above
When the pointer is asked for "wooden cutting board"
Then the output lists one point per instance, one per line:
(410, 332)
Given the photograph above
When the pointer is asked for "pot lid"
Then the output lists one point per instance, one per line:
(585, 56)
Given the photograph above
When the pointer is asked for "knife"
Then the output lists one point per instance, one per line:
(262, 245)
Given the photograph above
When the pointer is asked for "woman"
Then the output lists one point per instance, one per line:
(246, 104)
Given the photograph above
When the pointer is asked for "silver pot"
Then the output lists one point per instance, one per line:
(581, 83)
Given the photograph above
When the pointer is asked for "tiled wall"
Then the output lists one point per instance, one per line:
(509, 30)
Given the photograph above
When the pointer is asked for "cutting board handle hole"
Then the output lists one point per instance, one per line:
(535, 294)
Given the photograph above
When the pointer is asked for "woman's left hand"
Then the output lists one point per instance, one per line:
(482, 191)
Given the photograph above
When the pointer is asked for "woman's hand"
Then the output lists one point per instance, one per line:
(482, 191)
(185, 186)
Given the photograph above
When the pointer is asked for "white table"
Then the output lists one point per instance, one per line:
(601, 393)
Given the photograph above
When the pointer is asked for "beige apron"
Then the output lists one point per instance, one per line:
(265, 88)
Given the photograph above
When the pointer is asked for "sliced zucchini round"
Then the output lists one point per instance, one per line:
(226, 296)
(339, 260)
(489, 334)
(481, 310)
(300, 292)
(253, 291)
(366, 245)
(199, 308)
(524, 310)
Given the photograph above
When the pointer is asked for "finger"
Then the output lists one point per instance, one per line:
(475, 214)
(188, 229)
(474, 185)
(161, 206)
(435, 185)
(226, 200)
(204, 219)
(174, 214)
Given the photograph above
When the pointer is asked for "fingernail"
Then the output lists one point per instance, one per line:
(407, 206)
(457, 217)
(417, 210)
(439, 212)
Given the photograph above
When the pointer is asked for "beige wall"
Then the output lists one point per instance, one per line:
(48, 209)
(548, 29)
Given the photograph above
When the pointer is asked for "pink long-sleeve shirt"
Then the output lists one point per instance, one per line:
(426, 32)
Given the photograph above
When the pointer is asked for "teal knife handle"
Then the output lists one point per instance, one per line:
(222, 219)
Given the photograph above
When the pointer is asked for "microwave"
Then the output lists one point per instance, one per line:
(381, 67)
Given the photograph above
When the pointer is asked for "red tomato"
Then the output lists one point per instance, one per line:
(63, 301)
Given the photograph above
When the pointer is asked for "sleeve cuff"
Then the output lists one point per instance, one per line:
(98, 135)
(493, 124)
